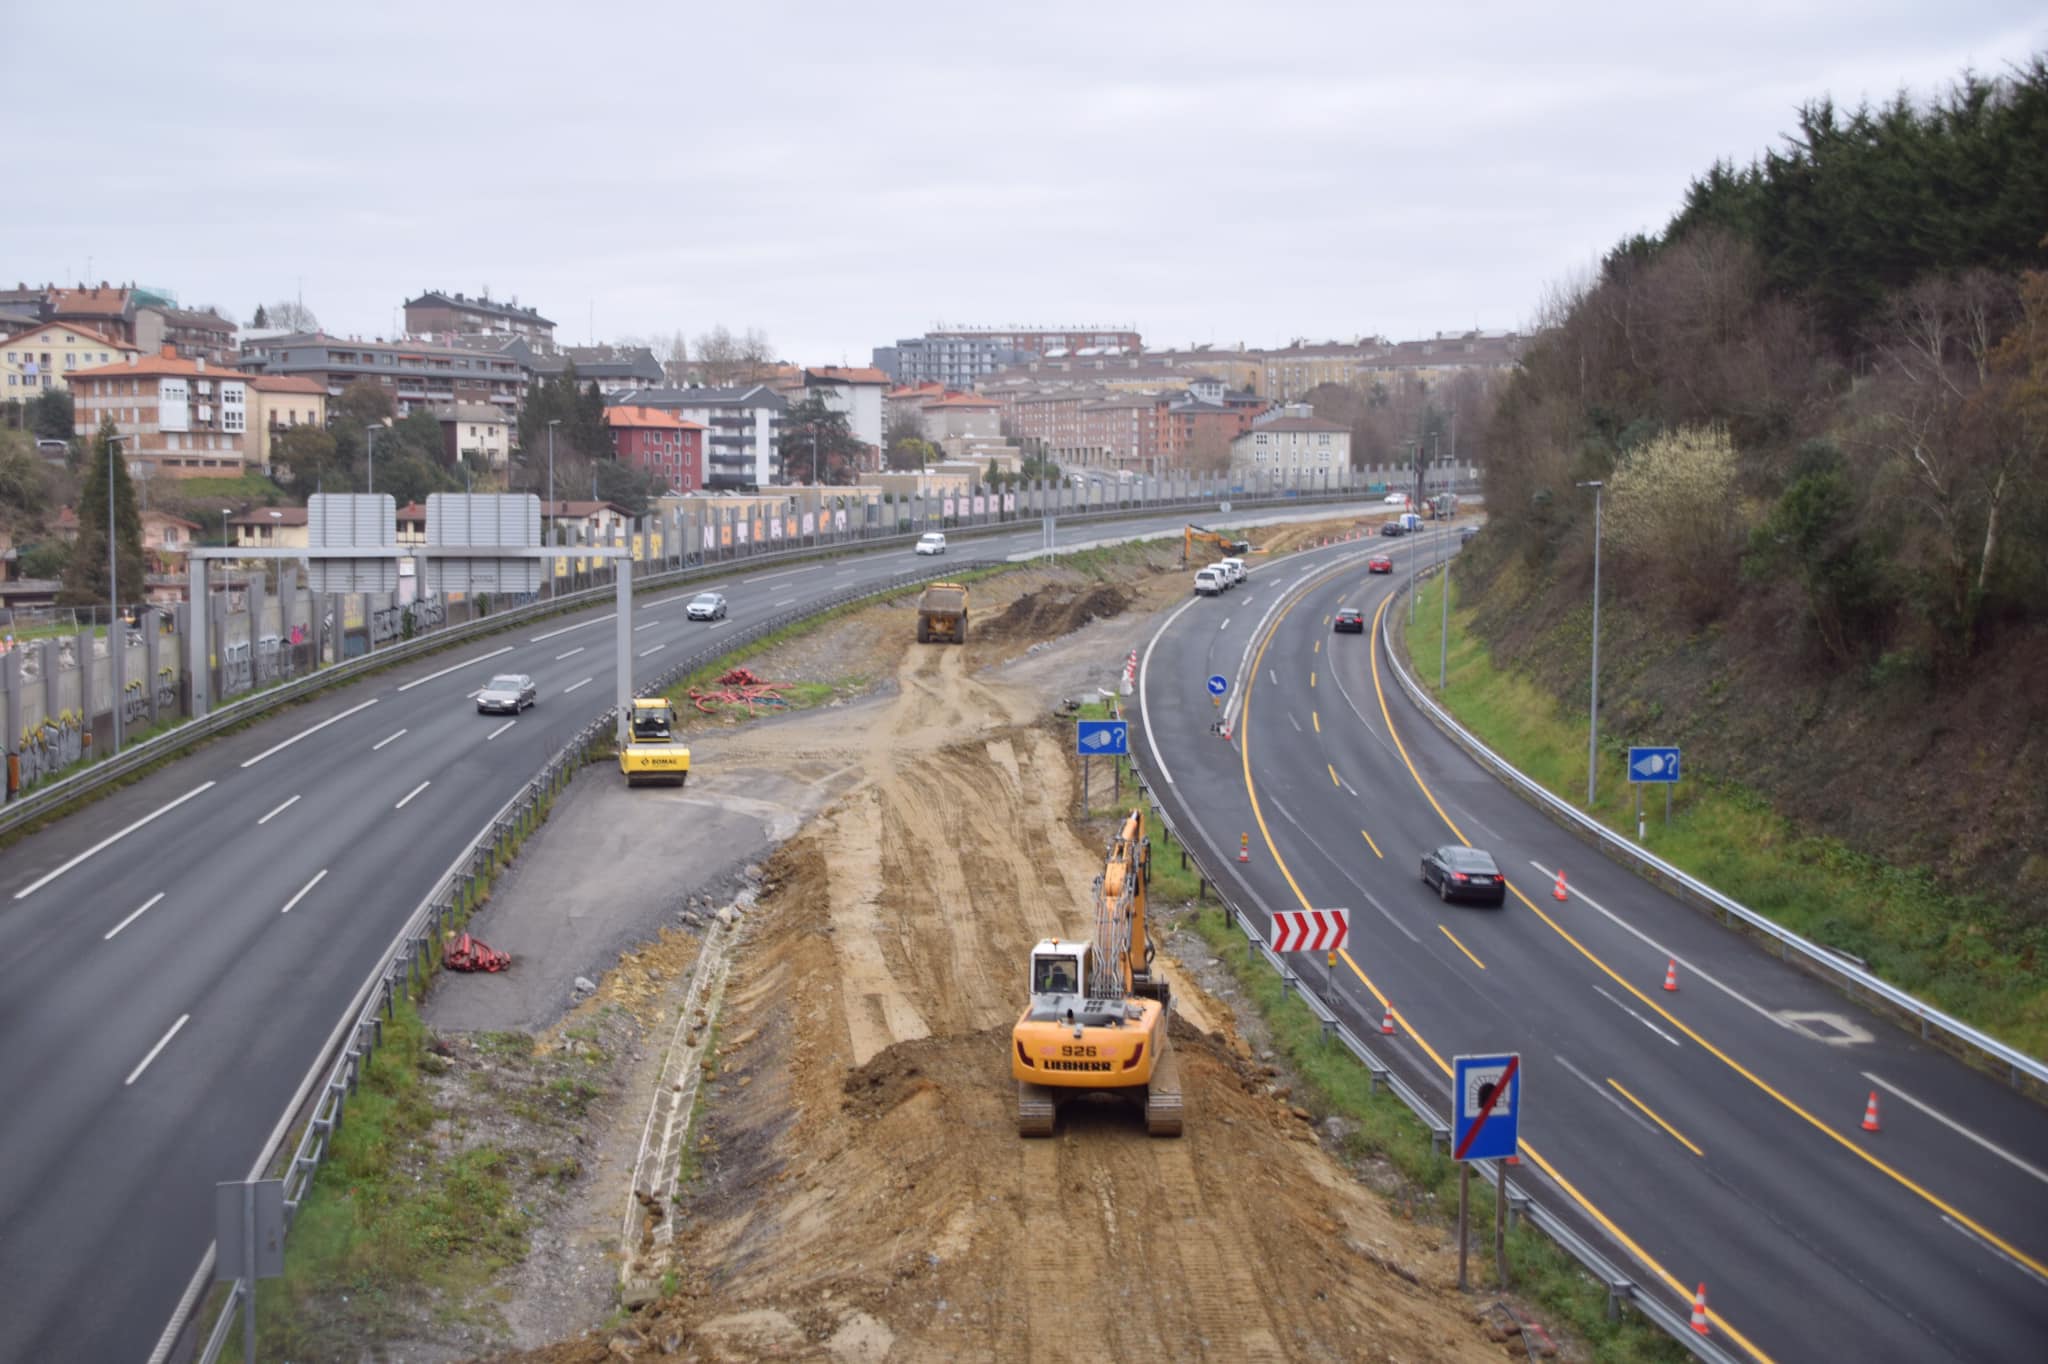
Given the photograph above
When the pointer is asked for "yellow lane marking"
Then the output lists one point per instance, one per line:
(1333, 776)
(1374, 846)
(1258, 816)
(1319, 646)
(1676, 1135)
(1311, 677)
(1316, 720)
(1462, 948)
(1897, 1176)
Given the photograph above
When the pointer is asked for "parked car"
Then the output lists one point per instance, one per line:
(1231, 573)
(932, 542)
(507, 693)
(1462, 873)
(1395, 500)
(1209, 583)
(1349, 621)
(1239, 570)
(1393, 528)
(1379, 563)
(706, 606)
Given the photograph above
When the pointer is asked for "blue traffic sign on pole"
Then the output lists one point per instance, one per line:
(1487, 1105)
(1653, 764)
(1102, 736)
(1218, 684)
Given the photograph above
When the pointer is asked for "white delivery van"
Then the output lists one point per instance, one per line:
(1209, 583)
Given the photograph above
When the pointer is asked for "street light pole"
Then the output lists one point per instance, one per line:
(114, 641)
(548, 529)
(370, 459)
(1593, 729)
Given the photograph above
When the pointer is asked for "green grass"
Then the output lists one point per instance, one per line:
(197, 492)
(1331, 1081)
(1964, 954)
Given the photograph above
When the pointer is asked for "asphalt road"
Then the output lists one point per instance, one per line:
(1710, 1135)
(173, 960)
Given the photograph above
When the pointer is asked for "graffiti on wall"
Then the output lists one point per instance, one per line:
(236, 673)
(46, 749)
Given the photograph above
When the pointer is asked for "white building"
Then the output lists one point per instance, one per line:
(1299, 451)
(857, 393)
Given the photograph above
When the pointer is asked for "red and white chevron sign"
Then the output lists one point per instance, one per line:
(1311, 930)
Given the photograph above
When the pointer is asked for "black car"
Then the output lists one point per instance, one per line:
(1392, 528)
(1461, 873)
(1349, 621)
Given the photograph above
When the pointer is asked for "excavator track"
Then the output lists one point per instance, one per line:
(1035, 1110)
(1162, 1096)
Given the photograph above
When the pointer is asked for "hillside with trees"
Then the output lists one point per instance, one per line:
(1818, 400)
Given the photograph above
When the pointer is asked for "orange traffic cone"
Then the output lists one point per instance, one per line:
(1870, 1113)
(1244, 847)
(1557, 892)
(1387, 1020)
(1671, 975)
(1699, 1310)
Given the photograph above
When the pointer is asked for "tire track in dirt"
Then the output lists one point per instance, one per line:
(1219, 1285)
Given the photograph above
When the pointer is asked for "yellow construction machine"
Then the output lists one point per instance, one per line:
(653, 755)
(1097, 1020)
(942, 614)
(1227, 546)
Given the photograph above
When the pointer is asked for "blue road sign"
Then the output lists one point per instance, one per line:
(1102, 736)
(1653, 764)
(1218, 684)
(1487, 1105)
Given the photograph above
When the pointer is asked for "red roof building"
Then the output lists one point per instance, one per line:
(175, 416)
(660, 443)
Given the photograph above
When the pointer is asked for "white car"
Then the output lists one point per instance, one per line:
(1395, 499)
(932, 542)
(706, 606)
(1236, 567)
(1209, 583)
(1225, 572)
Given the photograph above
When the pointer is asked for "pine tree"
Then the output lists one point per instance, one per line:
(85, 577)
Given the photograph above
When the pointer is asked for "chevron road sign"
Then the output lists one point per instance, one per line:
(1311, 930)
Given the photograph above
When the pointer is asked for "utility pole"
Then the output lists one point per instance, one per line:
(114, 641)
(1593, 729)
(370, 463)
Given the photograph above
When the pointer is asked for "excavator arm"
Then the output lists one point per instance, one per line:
(1194, 533)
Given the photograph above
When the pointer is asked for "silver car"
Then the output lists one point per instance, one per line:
(706, 606)
(507, 693)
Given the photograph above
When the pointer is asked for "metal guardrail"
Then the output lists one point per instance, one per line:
(55, 795)
(1621, 1286)
(1954, 1033)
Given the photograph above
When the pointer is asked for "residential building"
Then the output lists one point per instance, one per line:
(1121, 431)
(437, 314)
(1238, 369)
(417, 374)
(269, 528)
(905, 403)
(743, 427)
(962, 414)
(196, 335)
(952, 361)
(1126, 373)
(106, 309)
(1197, 430)
(593, 521)
(478, 430)
(45, 356)
(176, 416)
(659, 443)
(278, 402)
(1298, 450)
(857, 393)
(165, 538)
(614, 369)
(1290, 373)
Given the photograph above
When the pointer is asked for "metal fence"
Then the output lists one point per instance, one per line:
(2020, 1069)
(1621, 1286)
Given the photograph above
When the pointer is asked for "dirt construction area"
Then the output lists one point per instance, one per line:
(857, 1190)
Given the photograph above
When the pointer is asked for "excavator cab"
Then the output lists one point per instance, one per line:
(1059, 968)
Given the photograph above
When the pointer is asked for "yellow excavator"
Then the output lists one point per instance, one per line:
(1227, 546)
(653, 755)
(1097, 1020)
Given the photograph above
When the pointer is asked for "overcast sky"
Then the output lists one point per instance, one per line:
(841, 175)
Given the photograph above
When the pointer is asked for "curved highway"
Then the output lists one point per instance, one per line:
(173, 961)
(1711, 1135)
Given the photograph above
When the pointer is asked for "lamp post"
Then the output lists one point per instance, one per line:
(548, 529)
(1593, 730)
(224, 525)
(114, 641)
(370, 458)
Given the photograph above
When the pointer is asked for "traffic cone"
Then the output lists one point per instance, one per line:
(1671, 975)
(1870, 1113)
(1557, 893)
(1387, 1021)
(1244, 847)
(1699, 1310)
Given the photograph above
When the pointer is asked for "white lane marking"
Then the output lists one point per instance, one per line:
(1664, 952)
(108, 936)
(320, 876)
(1271, 678)
(844, 571)
(1145, 682)
(455, 668)
(500, 730)
(1994, 1250)
(716, 623)
(572, 653)
(278, 811)
(648, 626)
(787, 601)
(580, 625)
(1957, 1127)
(771, 577)
(574, 685)
(655, 650)
(1637, 1017)
(1604, 1092)
(107, 842)
(1225, 625)
(1292, 721)
(389, 739)
(332, 719)
(473, 695)
(162, 1042)
(1349, 879)
(415, 791)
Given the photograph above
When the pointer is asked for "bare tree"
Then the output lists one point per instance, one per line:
(724, 359)
(292, 315)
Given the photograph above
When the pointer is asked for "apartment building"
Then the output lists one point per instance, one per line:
(953, 360)
(45, 356)
(962, 415)
(1300, 449)
(175, 416)
(278, 403)
(270, 528)
(614, 369)
(659, 443)
(856, 392)
(478, 430)
(743, 430)
(196, 335)
(439, 314)
(106, 309)
(419, 375)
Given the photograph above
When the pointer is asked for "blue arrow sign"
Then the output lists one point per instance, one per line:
(1487, 1104)
(1102, 736)
(1653, 764)
(1218, 685)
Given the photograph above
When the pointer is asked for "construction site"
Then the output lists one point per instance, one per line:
(853, 1185)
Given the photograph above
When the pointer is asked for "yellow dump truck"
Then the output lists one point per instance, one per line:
(653, 755)
(942, 614)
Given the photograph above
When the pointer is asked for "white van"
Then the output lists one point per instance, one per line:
(1236, 567)
(1209, 582)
